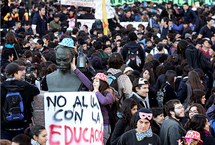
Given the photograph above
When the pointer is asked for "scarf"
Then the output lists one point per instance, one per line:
(34, 142)
(140, 135)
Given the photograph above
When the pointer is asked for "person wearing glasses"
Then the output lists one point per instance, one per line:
(172, 130)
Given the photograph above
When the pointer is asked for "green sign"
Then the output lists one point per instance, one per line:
(179, 2)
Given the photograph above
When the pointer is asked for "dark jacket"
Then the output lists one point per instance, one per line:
(155, 127)
(27, 91)
(97, 24)
(129, 138)
(15, 49)
(182, 90)
(118, 130)
(207, 138)
(134, 47)
(170, 93)
(171, 131)
(191, 54)
(86, 16)
(139, 99)
(41, 24)
(126, 19)
(190, 16)
(159, 81)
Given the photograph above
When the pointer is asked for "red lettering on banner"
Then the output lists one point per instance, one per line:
(65, 129)
(95, 135)
(97, 139)
(91, 135)
(86, 140)
(77, 140)
(53, 132)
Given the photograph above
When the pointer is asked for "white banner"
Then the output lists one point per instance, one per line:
(110, 11)
(73, 118)
(83, 3)
(90, 22)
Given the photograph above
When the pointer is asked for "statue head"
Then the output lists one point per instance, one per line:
(64, 56)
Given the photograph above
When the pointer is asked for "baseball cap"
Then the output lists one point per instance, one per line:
(13, 68)
(160, 46)
(140, 81)
(101, 76)
(127, 69)
(191, 134)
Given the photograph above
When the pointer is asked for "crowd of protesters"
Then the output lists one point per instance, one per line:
(164, 71)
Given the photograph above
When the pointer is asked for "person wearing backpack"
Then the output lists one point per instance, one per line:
(133, 54)
(208, 30)
(122, 83)
(15, 115)
(104, 93)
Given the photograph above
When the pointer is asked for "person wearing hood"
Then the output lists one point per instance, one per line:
(133, 47)
(27, 92)
(140, 92)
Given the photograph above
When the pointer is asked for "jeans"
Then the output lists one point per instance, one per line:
(106, 133)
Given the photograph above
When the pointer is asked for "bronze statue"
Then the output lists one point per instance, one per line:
(64, 79)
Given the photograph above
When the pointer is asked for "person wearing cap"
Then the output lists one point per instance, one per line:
(104, 93)
(140, 92)
(26, 90)
(142, 134)
(39, 22)
(56, 22)
(128, 70)
(172, 129)
(206, 44)
(212, 52)
(133, 47)
(160, 48)
(192, 138)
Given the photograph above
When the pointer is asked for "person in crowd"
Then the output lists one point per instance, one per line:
(208, 30)
(212, 52)
(192, 137)
(128, 109)
(133, 47)
(21, 139)
(172, 129)
(37, 134)
(200, 123)
(198, 96)
(160, 48)
(56, 23)
(210, 106)
(26, 90)
(188, 14)
(169, 85)
(115, 61)
(140, 92)
(158, 118)
(104, 93)
(39, 22)
(149, 75)
(127, 17)
(12, 17)
(142, 134)
(206, 45)
(192, 84)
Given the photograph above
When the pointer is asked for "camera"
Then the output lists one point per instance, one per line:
(29, 76)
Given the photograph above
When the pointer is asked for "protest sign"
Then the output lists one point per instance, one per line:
(89, 23)
(73, 118)
(83, 3)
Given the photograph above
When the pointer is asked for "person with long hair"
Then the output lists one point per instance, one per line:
(199, 122)
(169, 85)
(149, 75)
(210, 106)
(104, 93)
(38, 135)
(128, 109)
(192, 84)
(11, 44)
(198, 96)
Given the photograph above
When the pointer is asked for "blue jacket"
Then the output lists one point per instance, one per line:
(190, 16)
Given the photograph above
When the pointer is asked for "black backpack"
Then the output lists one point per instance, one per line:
(13, 109)
(204, 61)
(133, 59)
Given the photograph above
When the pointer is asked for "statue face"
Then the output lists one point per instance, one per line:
(63, 59)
